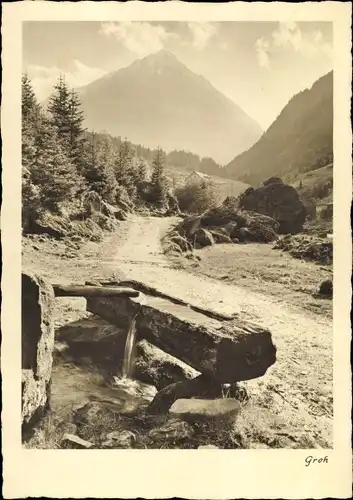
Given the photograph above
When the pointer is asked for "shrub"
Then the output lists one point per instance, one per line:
(196, 198)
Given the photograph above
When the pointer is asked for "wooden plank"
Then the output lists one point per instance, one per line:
(93, 291)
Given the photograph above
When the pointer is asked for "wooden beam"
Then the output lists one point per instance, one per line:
(93, 291)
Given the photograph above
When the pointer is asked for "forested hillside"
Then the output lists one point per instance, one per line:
(299, 140)
(63, 165)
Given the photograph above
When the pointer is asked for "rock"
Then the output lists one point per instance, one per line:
(229, 350)
(172, 204)
(203, 238)
(108, 210)
(244, 234)
(326, 288)
(201, 386)
(273, 180)
(196, 410)
(313, 248)
(72, 441)
(172, 430)
(70, 428)
(220, 235)
(189, 226)
(208, 447)
(278, 201)
(119, 439)
(85, 415)
(231, 228)
(53, 225)
(96, 339)
(37, 349)
(156, 367)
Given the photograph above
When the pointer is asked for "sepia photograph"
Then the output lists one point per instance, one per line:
(177, 240)
(177, 234)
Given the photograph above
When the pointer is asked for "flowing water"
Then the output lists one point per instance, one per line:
(130, 350)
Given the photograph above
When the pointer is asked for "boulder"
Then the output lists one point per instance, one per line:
(326, 288)
(53, 225)
(219, 410)
(172, 205)
(95, 338)
(201, 386)
(109, 211)
(173, 430)
(203, 238)
(119, 439)
(229, 350)
(278, 201)
(220, 235)
(156, 367)
(37, 349)
(273, 180)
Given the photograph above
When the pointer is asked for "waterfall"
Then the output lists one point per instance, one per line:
(129, 352)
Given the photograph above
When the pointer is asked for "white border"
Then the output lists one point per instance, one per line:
(195, 474)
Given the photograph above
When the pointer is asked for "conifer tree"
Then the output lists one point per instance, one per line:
(67, 116)
(52, 170)
(158, 180)
(124, 170)
(30, 106)
(99, 171)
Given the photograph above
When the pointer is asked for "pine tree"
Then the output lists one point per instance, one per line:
(59, 109)
(76, 129)
(124, 165)
(30, 106)
(67, 116)
(158, 180)
(52, 170)
(99, 171)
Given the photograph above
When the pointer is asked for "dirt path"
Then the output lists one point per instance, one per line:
(299, 387)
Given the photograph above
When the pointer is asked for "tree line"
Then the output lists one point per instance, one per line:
(62, 161)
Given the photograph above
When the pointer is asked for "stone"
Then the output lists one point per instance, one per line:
(326, 288)
(220, 235)
(96, 339)
(278, 201)
(203, 238)
(156, 367)
(73, 441)
(195, 410)
(37, 349)
(172, 430)
(208, 447)
(201, 386)
(119, 439)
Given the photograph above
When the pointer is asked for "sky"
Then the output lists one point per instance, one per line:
(259, 65)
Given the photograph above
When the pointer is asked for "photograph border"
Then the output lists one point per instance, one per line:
(211, 474)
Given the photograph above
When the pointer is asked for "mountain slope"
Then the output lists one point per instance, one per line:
(159, 101)
(299, 140)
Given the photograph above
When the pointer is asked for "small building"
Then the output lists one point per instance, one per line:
(197, 178)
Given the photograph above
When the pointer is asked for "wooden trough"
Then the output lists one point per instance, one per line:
(222, 349)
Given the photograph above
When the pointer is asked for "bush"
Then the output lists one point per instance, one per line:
(196, 198)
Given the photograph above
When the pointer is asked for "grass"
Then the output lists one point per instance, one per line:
(259, 267)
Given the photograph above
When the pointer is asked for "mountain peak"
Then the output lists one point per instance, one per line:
(161, 58)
